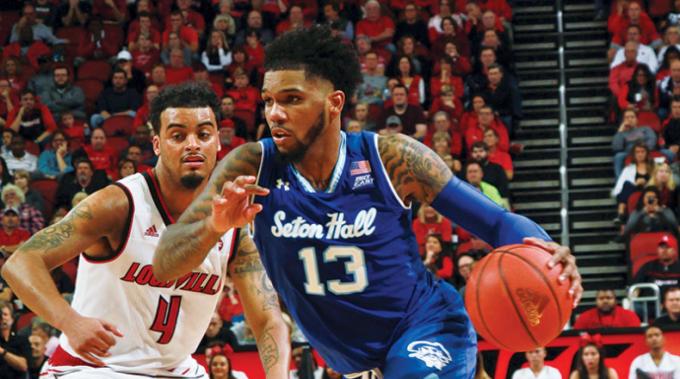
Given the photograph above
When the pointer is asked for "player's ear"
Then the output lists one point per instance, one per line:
(156, 142)
(336, 101)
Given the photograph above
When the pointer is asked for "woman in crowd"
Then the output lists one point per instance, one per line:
(217, 55)
(126, 167)
(590, 361)
(413, 82)
(437, 257)
(220, 368)
(429, 221)
(633, 177)
(22, 179)
(662, 178)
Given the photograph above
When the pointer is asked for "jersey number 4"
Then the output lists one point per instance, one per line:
(355, 265)
(165, 321)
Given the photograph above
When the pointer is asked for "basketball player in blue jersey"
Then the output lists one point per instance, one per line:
(334, 223)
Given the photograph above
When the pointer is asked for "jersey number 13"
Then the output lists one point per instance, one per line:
(355, 265)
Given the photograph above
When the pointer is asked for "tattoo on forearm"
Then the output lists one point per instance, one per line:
(267, 291)
(268, 349)
(408, 162)
(54, 235)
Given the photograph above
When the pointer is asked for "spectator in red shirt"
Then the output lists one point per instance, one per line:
(227, 112)
(174, 42)
(201, 75)
(635, 16)
(295, 20)
(486, 120)
(228, 138)
(429, 221)
(606, 314)
(448, 103)
(187, 34)
(135, 154)
(442, 123)
(143, 25)
(450, 34)
(437, 258)
(470, 119)
(102, 156)
(72, 128)
(446, 78)
(413, 82)
(495, 154)
(12, 71)
(254, 49)
(8, 101)
(621, 74)
(31, 119)
(11, 235)
(145, 54)
(158, 77)
(245, 97)
(191, 18)
(378, 28)
(176, 72)
(143, 112)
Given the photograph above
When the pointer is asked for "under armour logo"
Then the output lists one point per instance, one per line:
(280, 183)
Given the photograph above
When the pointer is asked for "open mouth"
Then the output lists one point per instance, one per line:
(279, 134)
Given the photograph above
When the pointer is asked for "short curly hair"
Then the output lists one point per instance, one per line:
(189, 94)
(316, 51)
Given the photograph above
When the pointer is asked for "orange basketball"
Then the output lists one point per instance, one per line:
(515, 301)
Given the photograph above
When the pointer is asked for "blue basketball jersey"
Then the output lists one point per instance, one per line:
(345, 261)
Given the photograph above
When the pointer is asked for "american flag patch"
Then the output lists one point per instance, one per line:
(359, 168)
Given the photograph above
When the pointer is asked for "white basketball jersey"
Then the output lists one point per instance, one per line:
(162, 322)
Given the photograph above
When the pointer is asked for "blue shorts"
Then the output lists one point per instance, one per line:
(440, 343)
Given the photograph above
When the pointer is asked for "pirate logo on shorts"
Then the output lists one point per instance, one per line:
(432, 353)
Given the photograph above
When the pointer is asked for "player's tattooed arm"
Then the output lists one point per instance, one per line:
(416, 171)
(261, 306)
(185, 244)
(95, 225)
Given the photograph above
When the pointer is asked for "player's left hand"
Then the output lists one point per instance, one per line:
(561, 254)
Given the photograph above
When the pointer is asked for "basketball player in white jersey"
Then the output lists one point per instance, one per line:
(123, 322)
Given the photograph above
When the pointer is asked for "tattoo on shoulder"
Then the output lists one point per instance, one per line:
(54, 235)
(407, 161)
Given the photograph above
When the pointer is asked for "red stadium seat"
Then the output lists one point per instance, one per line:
(119, 125)
(32, 147)
(73, 34)
(48, 189)
(643, 248)
(25, 320)
(114, 37)
(97, 70)
(92, 88)
(472, 244)
(247, 117)
(633, 199)
(118, 143)
(7, 20)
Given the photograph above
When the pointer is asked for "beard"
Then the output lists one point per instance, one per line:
(191, 181)
(296, 154)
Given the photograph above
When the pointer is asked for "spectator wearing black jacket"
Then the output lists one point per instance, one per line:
(84, 179)
(493, 173)
(503, 96)
(651, 216)
(671, 128)
(15, 350)
(116, 100)
(412, 25)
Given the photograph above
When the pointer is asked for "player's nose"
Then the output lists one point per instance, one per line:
(277, 113)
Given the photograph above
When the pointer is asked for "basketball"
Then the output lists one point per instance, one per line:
(515, 301)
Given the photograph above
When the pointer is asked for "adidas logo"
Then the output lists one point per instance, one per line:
(151, 231)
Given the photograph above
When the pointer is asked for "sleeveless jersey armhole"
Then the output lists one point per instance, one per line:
(126, 231)
(251, 228)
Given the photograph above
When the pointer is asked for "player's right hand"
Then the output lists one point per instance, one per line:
(91, 338)
(232, 207)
